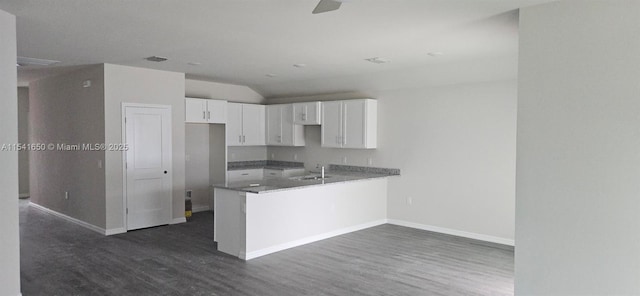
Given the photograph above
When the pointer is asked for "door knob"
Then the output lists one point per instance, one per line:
(165, 172)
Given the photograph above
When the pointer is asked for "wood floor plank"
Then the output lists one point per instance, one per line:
(61, 258)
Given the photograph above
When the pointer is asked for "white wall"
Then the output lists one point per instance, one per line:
(137, 85)
(239, 153)
(197, 163)
(578, 164)
(222, 91)
(64, 112)
(23, 137)
(455, 146)
(10, 246)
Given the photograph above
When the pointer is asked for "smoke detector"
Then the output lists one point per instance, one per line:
(156, 59)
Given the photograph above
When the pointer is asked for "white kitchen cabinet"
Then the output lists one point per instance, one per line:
(272, 174)
(282, 173)
(263, 173)
(205, 111)
(245, 124)
(349, 124)
(331, 130)
(307, 113)
(244, 175)
(281, 131)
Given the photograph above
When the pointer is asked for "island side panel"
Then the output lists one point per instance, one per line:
(229, 221)
(285, 219)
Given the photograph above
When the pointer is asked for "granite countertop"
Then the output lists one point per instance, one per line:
(273, 185)
(270, 167)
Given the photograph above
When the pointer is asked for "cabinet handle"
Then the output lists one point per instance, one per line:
(245, 174)
(208, 114)
(240, 138)
(304, 116)
(279, 139)
(203, 115)
(244, 139)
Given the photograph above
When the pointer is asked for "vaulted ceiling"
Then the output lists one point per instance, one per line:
(245, 41)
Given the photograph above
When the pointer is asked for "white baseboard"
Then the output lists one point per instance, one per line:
(306, 240)
(178, 220)
(70, 219)
(113, 231)
(482, 237)
(200, 208)
(24, 195)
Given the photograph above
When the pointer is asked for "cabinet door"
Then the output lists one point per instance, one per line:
(244, 175)
(234, 124)
(272, 174)
(216, 111)
(195, 110)
(307, 113)
(331, 130)
(288, 136)
(274, 125)
(353, 114)
(253, 121)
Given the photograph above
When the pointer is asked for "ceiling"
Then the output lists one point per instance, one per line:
(241, 41)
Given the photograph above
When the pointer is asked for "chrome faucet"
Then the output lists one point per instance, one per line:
(322, 173)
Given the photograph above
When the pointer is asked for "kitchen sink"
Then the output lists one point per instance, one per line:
(309, 177)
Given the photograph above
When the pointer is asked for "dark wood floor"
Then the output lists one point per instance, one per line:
(61, 258)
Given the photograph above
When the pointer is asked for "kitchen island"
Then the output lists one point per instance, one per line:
(259, 217)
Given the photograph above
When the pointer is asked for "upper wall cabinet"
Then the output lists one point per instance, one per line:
(245, 125)
(205, 111)
(350, 124)
(306, 113)
(281, 131)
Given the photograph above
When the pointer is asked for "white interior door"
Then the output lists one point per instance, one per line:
(148, 166)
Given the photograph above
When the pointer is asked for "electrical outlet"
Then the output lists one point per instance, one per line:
(344, 160)
(189, 192)
(233, 156)
(370, 161)
(410, 200)
(273, 156)
(187, 157)
(295, 156)
(66, 195)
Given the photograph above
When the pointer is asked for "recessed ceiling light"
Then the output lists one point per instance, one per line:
(299, 65)
(378, 60)
(156, 59)
(194, 64)
(271, 75)
(23, 61)
(435, 53)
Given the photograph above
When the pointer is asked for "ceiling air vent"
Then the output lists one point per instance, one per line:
(23, 62)
(378, 60)
(156, 59)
